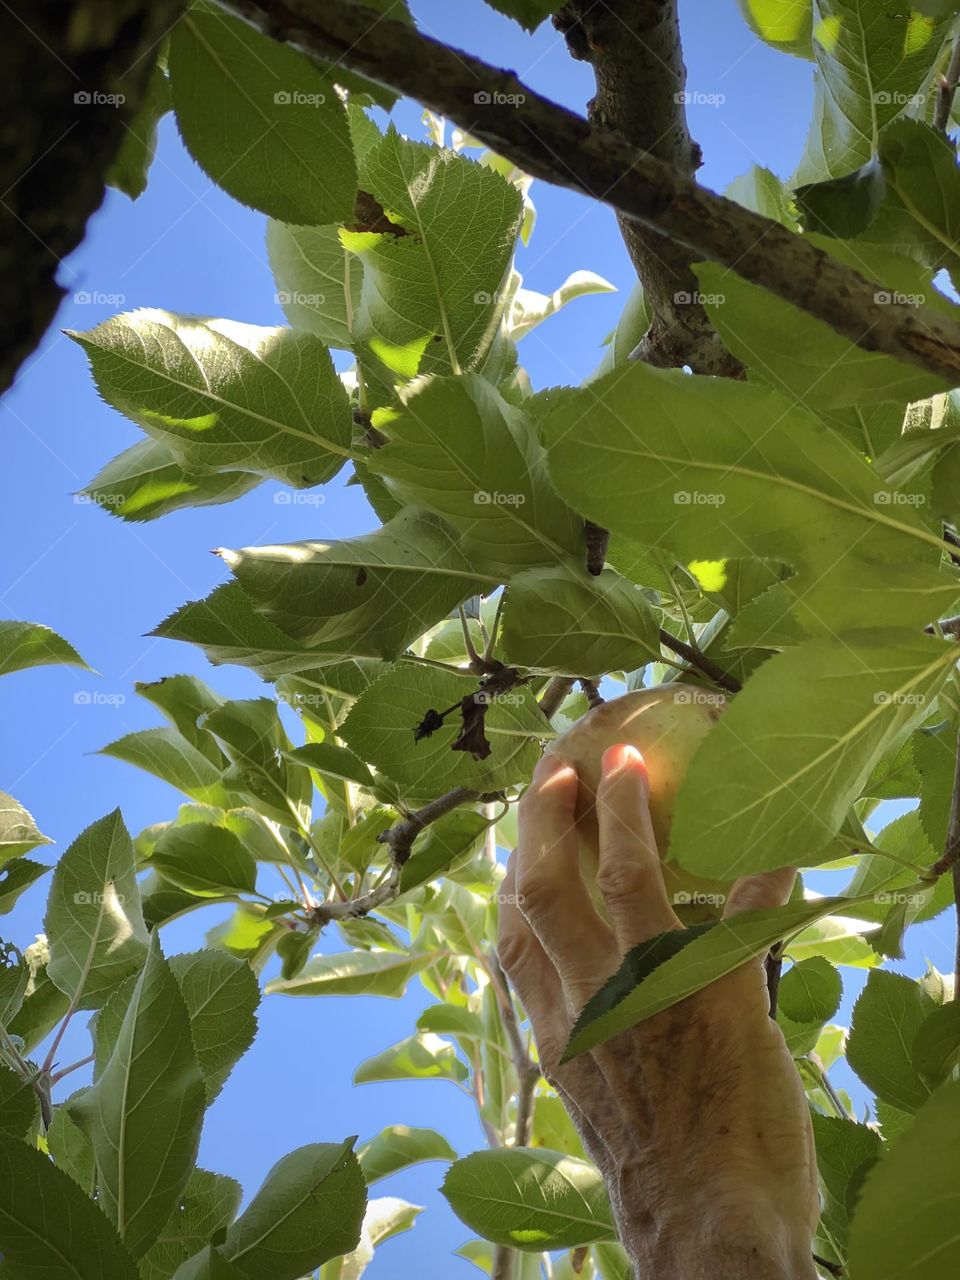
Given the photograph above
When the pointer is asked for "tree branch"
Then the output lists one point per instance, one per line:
(946, 90)
(554, 694)
(636, 53)
(74, 75)
(700, 661)
(549, 142)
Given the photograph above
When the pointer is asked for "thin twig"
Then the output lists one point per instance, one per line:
(701, 662)
(592, 693)
(946, 88)
(774, 967)
(549, 142)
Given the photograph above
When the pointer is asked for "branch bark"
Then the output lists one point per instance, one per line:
(636, 53)
(59, 141)
(554, 144)
(700, 661)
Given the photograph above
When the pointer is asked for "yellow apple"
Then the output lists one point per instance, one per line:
(666, 724)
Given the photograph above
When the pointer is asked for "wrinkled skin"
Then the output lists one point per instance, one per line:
(696, 1118)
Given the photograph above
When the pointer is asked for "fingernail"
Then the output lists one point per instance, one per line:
(619, 757)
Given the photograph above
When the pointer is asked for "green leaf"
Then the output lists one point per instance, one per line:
(224, 396)
(28, 644)
(903, 1223)
(936, 1045)
(536, 1200)
(261, 119)
(424, 1056)
(529, 13)
(792, 351)
(783, 24)
(185, 701)
(144, 1113)
(318, 281)
(168, 755)
(131, 164)
(255, 742)
(371, 973)
(450, 839)
(43, 1007)
(19, 1104)
(94, 922)
(775, 779)
(205, 860)
(760, 189)
(18, 831)
(309, 1208)
(207, 1265)
(552, 1127)
(16, 876)
(873, 63)
(398, 1147)
(886, 1018)
(366, 597)
(920, 167)
(146, 481)
(674, 965)
(456, 447)
(221, 994)
(335, 761)
(432, 296)
(380, 729)
(843, 1148)
(49, 1229)
(655, 455)
(935, 753)
(70, 1147)
(209, 1204)
(15, 976)
(613, 1262)
(529, 309)
(564, 620)
(810, 991)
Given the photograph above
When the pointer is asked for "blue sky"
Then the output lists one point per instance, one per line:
(186, 246)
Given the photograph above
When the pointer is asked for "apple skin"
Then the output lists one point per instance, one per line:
(666, 724)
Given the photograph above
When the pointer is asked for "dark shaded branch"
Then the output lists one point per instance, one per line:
(554, 144)
(700, 661)
(774, 967)
(74, 75)
(592, 693)
(400, 838)
(635, 50)
(946, 89)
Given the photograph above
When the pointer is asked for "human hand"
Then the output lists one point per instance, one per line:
(696, 1118)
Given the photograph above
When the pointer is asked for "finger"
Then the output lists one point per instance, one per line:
(550, 889)
(767, 889)
(629, 875)
(530, 970)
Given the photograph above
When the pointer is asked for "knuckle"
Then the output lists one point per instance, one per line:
(513, 950)
(623, 878)
(536, 892)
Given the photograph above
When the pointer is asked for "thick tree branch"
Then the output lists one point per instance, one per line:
(74, 75)
(549, 142)
(635, 50)
(554, 694)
